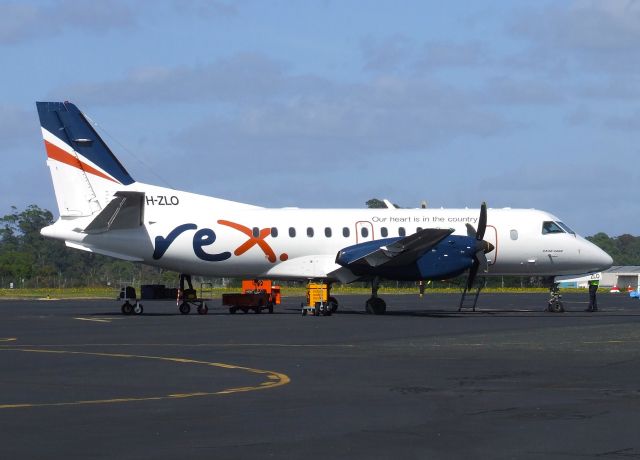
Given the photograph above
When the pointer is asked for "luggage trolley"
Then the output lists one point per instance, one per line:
(189, 296)
(128, 294)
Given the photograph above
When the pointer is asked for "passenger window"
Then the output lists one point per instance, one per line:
(364, 231)
(384, 232)
(402, 231)
(551, 227)
(310, 232)
(346, 232)
(292, 232)
(256, 232)
(274, 232)
(327, 232)
(514, 234)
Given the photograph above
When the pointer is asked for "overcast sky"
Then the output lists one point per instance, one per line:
(329, 103)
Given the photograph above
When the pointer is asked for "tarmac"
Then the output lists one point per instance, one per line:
(80, 380)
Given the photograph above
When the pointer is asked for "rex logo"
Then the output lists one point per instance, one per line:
(254, 240)
(206, 237)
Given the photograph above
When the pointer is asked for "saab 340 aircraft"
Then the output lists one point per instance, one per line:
(105, 211)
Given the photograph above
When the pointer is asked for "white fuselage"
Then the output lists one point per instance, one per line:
(201, 235)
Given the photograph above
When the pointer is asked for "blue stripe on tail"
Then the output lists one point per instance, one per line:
(64, 120)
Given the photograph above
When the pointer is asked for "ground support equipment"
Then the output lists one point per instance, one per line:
(128, 295)
(188, 297)
(257, 295)
(319, 301)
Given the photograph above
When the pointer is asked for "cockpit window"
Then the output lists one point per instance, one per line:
(551, 227)
(566, 228)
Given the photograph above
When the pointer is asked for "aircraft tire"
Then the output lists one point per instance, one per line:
(184, 308)
(376, 306)
(333, 304)
(127, 308)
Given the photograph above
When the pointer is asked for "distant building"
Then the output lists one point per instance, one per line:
(622, 276)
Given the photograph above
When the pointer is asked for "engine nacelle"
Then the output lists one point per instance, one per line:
(450, 257)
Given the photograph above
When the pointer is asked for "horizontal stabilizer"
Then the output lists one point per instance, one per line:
(124, 211)
(392, 252)
(117, 255)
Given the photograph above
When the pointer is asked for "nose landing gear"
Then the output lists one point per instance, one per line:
(555, 303)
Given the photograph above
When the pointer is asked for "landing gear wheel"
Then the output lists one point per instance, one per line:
(333, 304)
(127, 308)
(376, 306)
(137, 309)
(203, 309)
(184, 308)
(557, 307)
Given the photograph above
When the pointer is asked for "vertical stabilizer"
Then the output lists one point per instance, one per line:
(84, 171)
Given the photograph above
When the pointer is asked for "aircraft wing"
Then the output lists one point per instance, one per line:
(392, 252)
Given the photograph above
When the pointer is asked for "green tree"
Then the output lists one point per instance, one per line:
(375, 203)
(624, 249)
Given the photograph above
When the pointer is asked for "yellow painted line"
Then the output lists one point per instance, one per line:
(8, 339)
(275, 379)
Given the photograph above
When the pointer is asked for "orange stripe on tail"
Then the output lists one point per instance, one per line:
(56, 153)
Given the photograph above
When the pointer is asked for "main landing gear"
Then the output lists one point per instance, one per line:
(375, 305)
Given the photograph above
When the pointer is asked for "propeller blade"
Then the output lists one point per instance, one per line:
(471, 231)
(482, 247)
(482, 260)
(479, 261)
(482, 223)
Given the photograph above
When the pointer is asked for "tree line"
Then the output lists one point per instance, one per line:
(29, 260)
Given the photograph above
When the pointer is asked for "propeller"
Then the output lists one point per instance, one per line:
(482, 247)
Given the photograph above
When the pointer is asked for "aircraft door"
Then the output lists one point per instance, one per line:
(491, 235)
(364, 231)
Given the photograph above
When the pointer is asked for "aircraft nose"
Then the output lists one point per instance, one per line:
(600, 258)
(607, 260)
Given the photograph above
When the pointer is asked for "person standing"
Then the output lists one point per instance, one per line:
(593, 288)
